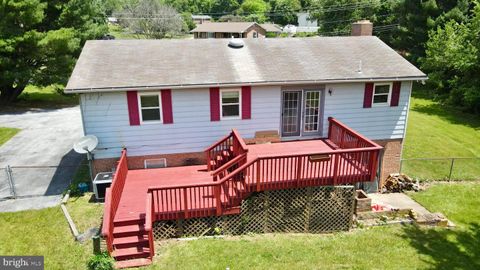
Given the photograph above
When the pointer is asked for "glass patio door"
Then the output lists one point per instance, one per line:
(291, 113)
(301, 113)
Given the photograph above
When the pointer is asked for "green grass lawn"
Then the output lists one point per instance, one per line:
(45, 97)
(46, 233)
(393, 247)
(436, 131)
(7, 133)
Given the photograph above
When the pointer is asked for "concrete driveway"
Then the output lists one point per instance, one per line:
(40, 155)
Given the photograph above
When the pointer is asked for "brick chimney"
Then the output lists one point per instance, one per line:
(362, 28)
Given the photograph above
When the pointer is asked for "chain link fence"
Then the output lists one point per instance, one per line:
(32, 181)
(442, 168)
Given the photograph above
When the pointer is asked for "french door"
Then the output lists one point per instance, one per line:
(301, 112)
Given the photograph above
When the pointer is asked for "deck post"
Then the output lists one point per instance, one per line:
(299, 170)
(185, 202)
(258, 173)
(335, 168)
(219, 200)
(373, 165)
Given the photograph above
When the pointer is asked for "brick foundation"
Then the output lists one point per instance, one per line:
(391, 157)
(137, 162)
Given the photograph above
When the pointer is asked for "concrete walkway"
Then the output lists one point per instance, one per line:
(41, 156)
(398, 201)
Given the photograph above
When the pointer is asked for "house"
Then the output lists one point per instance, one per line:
(200, 19)
(339, 106)
(306, 23)
(271, 28)
(234, 29)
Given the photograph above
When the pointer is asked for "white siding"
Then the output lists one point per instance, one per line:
(106, 116)
(346, 104)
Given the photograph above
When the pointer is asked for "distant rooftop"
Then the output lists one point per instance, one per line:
(145, 64)
(223, 27)
(201, 17)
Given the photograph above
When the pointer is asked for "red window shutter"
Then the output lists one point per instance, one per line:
(167, 106)
(133, 113)
(395, 94)
(246, 102)
(367, 97)
(214, 104)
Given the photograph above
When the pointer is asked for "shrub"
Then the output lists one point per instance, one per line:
(101, 261)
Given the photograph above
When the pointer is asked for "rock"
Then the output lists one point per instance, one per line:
(87, 235)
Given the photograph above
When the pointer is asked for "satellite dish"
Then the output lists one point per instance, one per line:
(86, 144)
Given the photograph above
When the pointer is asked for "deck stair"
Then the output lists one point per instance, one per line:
(234, 174)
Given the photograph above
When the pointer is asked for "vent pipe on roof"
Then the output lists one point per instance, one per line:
(236, 43)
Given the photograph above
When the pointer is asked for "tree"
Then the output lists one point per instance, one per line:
(453, 62)
(335, 17)
(285, 11)
(254, 10)
(151, 19)
(40, 40)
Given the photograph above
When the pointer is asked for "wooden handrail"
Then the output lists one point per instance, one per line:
(228, 164)
(240, 140)
(112, 199)
(345, 127)
(106, 210)
(217, 143)
(149, 223)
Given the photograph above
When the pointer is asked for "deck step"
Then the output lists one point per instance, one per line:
(125, 222)
(128, 230)
(130, 241)
(132, 263)
(131, 253)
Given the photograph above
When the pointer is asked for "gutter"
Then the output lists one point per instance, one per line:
(238, 84)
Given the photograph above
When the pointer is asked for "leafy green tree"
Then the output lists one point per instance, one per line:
(40, 40)
(284, 11)
(336, 16)
(254, 10)
(453, 62)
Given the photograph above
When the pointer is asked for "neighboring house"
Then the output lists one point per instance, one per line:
(173, 102)
(199, 19)
(271, 28)
(306, 23)
(229, 30)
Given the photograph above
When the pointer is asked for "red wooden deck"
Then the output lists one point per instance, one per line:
(138, 198)
(132, 200)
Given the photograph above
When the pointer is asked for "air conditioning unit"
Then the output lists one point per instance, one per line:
(101, 182)
(155, 163)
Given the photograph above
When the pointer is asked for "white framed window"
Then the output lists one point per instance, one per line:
(230, 103)
(382, 93)
(150, 107)
(255, 35)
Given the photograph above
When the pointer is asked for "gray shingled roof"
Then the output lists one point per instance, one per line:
(109, 65)
(270, 27)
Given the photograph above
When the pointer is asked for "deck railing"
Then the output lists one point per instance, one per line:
(232, 143)
(112, 199)
(346, 138)
(355, 162)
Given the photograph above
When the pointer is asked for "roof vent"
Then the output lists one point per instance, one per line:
(236, 43)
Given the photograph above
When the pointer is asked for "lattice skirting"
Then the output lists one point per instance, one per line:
(311, 209)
